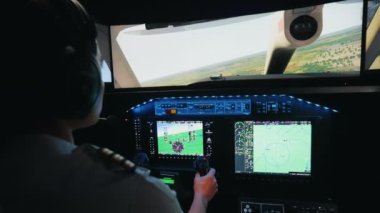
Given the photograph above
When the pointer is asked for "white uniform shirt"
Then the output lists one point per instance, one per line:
(43, 173)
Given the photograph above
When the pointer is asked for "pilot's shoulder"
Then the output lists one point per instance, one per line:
(109, 159)
(115, 176)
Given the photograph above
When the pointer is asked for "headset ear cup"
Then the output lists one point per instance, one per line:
(84, 85)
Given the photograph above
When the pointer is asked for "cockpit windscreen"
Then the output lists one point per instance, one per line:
(320, 39)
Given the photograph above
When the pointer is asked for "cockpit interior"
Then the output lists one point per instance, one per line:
(281, 98)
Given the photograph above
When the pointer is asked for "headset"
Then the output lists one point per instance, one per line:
(71, 75)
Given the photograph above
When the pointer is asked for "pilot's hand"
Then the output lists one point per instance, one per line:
(205, 186)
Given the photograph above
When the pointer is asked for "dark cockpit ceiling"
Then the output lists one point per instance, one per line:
(110, 12)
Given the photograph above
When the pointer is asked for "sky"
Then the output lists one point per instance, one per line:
(161, 52)
(174, 128)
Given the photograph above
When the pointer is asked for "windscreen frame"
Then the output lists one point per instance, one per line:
(238, 78)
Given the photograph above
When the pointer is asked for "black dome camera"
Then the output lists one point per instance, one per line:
(293, 28)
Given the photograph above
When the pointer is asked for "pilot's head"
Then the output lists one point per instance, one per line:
(54, 62)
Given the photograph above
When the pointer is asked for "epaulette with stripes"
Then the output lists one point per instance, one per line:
(110, 159)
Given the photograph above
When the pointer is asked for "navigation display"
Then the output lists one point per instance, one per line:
(273, 147)
(180, 138)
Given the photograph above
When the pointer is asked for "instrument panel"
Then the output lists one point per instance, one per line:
(264, 147)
